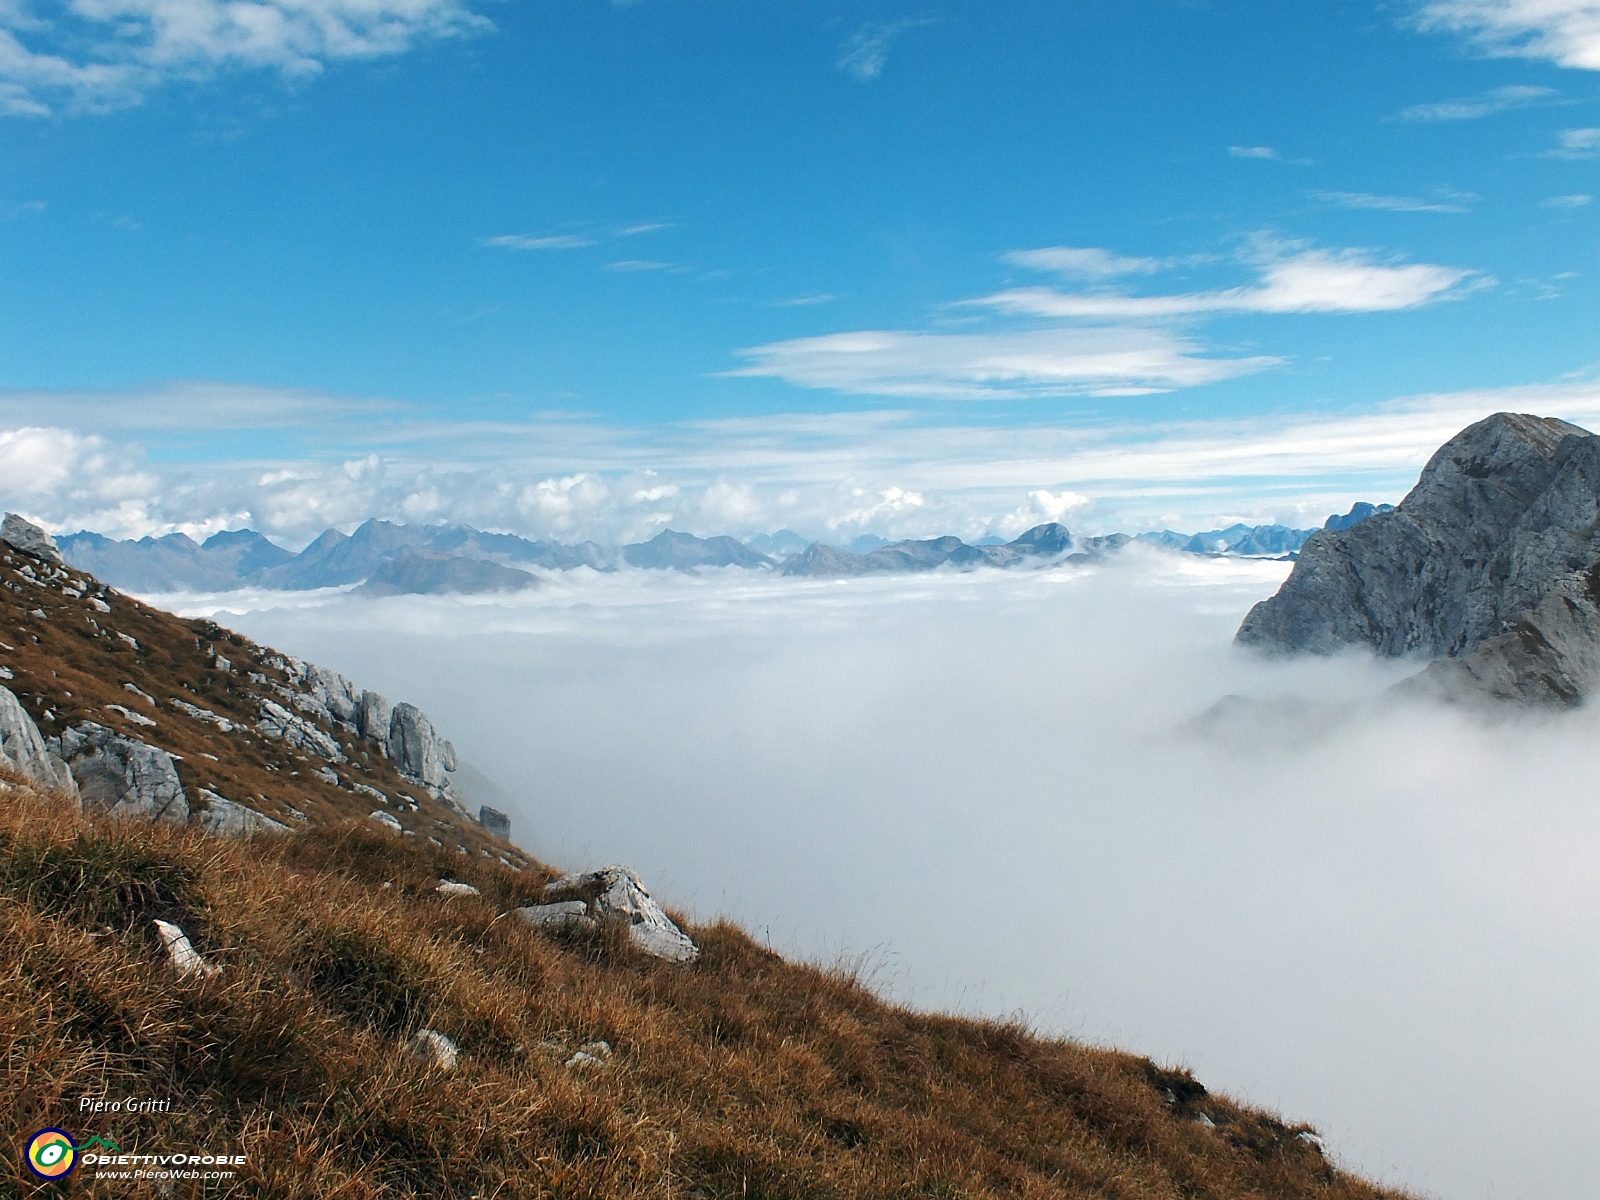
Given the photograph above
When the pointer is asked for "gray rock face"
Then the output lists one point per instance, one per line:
(24, 750)
(24, 535)
(495, 822)
(374, 717)
(417, 749)
(615, 893)
(1490, 565)
(563, 914)
(224, 818)
(280, 724)
(340, 697)
(123, 776)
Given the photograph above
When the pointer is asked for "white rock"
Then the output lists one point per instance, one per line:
(122, 775)
(24, 535)
(224, 818)
(430, 1048)
(449, 887)
(383, 818)
(185, 960)
(99, 605)
(336, 693)
(1205, 1122)
(131, 641)
(279, 723)
(24, 750)
(327, 776)
(566, 913)
(416, 747)
(368, 790)
(128, 714)
(201, 714)
(593, 1054)
(1315, 1142)
(617, 893)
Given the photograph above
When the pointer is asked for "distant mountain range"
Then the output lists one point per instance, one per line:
(389, 559)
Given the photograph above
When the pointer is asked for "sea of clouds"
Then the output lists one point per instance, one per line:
(989, 790)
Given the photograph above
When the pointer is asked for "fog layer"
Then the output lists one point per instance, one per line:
(1383, 921)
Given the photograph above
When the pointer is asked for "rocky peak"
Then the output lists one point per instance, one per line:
(1491, 563)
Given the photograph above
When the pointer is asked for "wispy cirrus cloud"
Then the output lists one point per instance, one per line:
(1262, 152)
(1566, 32)
(523, 241)
(866, 51)
(1291, 280)
(1575, 143)
(1090, 262)
(1004, 365)
(1445, 202)
(92, 56)
(1471, 108)
(638, 264)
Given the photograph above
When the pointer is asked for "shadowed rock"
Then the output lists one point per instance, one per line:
(24, 750)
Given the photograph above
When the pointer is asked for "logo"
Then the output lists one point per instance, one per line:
(51, 1154)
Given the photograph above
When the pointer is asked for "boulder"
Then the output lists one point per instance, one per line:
(336, 694)
(224, 818)
(387, 821)
(449, 887)
(122, 775)
(616, 893)
(564, 914)
(24, 750)
(430, 1049)
(1490, 567)
(22, 534)
(494, 821)
(373, 718)
(417, 749)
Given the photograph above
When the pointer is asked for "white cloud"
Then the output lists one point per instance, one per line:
(638, 264)
(1397, 203)
(572, 478)
(1576, 143)
(519, 241)
(1472, 107)
(1266, 152)
(1566, 32)
(111, 52)
(1088, 262)
(1578, 201)
(1307, 281)
(1050, 362)
(865, 52)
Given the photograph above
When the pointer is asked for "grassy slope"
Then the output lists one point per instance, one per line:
(741, 1075)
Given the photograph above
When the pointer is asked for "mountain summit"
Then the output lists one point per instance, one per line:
(1490, 567)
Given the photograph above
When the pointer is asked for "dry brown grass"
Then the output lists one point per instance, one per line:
(740, 1076)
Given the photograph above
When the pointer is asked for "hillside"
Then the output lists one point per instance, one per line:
(304, 1020)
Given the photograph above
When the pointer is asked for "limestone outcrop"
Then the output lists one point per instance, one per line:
(1490, 567)
(24, 535)
(224, 818)
(417, 749)
(24, 750)
(616, 893)
(121, 775)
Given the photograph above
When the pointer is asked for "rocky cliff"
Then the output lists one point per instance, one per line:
(1490, 567)
(132, 712)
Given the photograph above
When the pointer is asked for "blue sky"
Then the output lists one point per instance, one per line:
(582, 269)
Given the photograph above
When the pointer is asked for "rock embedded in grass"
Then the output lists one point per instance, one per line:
(431, 1049)
(617, 893)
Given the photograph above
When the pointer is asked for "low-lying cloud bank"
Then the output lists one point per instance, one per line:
(1383, 920)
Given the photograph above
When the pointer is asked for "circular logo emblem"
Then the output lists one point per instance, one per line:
(51, 1154)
